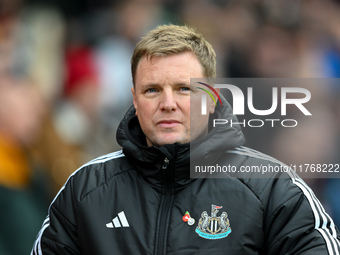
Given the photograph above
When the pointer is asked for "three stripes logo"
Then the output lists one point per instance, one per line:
(204, 98)
(119, 221)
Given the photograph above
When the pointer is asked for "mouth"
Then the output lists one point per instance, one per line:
(168, 123)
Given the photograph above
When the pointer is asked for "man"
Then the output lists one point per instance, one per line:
(22, 187)
(142, 200)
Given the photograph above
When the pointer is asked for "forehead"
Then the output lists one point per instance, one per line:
(180, 66)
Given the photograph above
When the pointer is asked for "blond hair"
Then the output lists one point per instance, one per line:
(172, 39)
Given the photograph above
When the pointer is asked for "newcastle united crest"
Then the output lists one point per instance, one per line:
(213, 227)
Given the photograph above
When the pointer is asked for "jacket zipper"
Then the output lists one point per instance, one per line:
(164, 212)
(165, 163)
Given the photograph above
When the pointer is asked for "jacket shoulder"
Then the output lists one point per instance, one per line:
(291, 210)
(97, 172)
(258, 170)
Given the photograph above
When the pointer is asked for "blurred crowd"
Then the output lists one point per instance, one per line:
(65, 84)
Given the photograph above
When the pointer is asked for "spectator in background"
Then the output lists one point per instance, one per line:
(27, 50)
(71, 125)
(31, 39)
(23, 192)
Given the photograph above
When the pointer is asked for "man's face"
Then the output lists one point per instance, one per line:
(161, 97)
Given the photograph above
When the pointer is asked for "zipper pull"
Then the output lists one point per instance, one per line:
(165, 163)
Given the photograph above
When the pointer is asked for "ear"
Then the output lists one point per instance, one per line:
(134, 98)
(211, 106)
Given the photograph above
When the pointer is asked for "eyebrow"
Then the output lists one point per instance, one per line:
(177, 84)
(151, 85)
(182, 84)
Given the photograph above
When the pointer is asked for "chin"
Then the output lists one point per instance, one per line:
(160, 142)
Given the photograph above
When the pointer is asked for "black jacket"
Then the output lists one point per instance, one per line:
(133, 202)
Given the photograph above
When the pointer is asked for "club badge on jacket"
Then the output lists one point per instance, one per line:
(210, 227)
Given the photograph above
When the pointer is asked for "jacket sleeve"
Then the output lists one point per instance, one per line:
(58, 234)
(295, 221)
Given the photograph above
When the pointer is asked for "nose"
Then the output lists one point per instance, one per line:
(168, 101)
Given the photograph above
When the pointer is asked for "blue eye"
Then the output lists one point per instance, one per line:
(151, 90)
(185, 88)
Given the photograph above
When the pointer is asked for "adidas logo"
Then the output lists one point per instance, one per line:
(119, 221)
